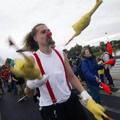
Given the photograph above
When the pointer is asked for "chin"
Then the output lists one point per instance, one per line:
(50, 41)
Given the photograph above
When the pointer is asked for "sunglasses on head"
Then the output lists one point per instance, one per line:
(45, 31)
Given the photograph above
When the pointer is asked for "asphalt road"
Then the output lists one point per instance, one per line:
(11, 110)
(112, 104)
(115, 70)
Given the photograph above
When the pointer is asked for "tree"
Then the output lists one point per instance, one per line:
(75, 51)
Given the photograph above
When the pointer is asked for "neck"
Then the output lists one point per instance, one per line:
(46, 50)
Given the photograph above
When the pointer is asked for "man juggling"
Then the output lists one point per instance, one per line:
(56, 77)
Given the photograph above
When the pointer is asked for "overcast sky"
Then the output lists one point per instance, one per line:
(17, 17)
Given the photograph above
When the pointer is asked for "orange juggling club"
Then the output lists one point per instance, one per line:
(106, 88)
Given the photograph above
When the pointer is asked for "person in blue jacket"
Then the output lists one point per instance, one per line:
(89, 68)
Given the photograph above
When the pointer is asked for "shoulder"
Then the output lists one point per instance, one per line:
(60, 52)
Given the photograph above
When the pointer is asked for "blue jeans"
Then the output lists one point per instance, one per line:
(94, 92)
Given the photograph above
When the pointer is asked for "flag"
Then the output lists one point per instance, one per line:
(109, 48)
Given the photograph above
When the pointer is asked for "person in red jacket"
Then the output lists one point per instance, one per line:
(5, 76)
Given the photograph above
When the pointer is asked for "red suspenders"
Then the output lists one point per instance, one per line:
(47, 84)
(53, 98)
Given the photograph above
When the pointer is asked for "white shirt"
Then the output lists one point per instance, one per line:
(53, 67)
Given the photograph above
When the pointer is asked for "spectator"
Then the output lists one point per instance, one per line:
(5, 76)
(105, 57)
(89, 69)
(18, 85)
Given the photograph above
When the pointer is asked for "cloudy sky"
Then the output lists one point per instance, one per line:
(17, 17)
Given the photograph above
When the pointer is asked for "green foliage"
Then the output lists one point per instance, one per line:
(76, 50)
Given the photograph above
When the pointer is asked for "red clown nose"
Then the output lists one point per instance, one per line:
(49, 34)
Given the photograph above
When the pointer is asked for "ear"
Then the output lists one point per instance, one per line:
(35, 38)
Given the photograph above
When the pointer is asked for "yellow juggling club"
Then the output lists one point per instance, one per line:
(26, 67)
(23, 69)
(84, 21)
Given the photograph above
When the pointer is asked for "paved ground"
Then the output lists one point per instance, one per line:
(11, 110)
(115, 70)
(112, 104)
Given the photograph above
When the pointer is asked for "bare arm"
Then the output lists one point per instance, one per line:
(75, 82)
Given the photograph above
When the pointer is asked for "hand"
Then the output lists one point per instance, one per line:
(96, 109)
(28, 91)
(98, 80)
(43, 80)
(32, 84)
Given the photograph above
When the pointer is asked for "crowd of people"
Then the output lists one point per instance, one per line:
(48, 75)
(56, 98)
(86, 66)
(92, 70)
(9, 83)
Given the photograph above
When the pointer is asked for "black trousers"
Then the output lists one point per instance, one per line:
(1, 87)
(69, 110)
(108, 76)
